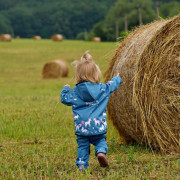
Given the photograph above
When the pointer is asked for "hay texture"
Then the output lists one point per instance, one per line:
(57, 37)
(6, 37)
(36, 37)
(55, 69)
(146, 106)
(96, 39)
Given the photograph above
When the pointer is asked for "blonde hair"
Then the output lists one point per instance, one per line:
(86, 69)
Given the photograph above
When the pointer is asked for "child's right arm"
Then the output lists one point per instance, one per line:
(113, 84)
(66, 96)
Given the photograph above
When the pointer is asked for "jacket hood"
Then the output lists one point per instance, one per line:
(88, 91)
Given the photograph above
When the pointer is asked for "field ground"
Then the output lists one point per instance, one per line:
(37, 138)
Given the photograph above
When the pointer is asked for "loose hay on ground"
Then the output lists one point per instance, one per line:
(55, 69)
(146, 107)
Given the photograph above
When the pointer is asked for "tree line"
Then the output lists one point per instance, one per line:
(77, 19)
(125, 15)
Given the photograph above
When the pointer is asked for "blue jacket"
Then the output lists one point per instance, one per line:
(89, 101)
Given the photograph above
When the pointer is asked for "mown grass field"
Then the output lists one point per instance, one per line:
(37, 138)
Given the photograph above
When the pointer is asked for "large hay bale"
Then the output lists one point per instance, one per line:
(55, 69)
(96, 39)
(6, 37)
(146, 107)
(36, 37)
(57, 37)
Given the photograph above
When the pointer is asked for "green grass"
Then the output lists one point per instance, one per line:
(37, 138)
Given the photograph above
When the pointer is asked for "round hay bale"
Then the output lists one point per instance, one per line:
(6, 37)
(55, 69)
(36, 37)
(57, 37)
(18, 37)
(96, 39)
(146, 107)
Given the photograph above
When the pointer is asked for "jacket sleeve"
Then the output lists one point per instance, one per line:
(67, 96)
(113, 84)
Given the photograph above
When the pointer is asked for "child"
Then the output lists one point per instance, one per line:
(89, 99)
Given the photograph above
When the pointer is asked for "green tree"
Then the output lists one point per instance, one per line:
(6, 4)
(21, 21)
(5, 27)
(99, 30)
(120, 10)
(46, 17)
(142, 5)
(169, 9)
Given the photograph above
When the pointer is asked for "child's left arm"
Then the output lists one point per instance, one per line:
(66, 95)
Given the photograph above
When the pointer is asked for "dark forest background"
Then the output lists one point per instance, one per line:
(80, 19)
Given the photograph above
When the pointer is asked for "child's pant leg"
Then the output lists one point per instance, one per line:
(83, 152)
(100, 144)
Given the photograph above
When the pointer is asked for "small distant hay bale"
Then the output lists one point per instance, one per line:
(96, 39)
(55, 69)
(146, 107)
(36, 37)
(17, 37)
(57, 37)
(6, 37)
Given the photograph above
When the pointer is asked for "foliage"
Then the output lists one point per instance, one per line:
(103, 18)
(169, 9)
(47, 17)
(5, 26)
(99, 30)
(122, 8)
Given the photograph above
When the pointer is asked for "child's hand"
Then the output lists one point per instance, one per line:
(67, 85)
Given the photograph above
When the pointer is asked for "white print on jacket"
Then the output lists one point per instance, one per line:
(76, 117)
(101, 128)
(82, 162)
(88, 122)
(110, 82)
(105, 123)
(104, 114)
(92, 103)
(77, 126)
(96, 122)
(84, 130)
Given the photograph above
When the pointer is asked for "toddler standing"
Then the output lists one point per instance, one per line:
(89, 99)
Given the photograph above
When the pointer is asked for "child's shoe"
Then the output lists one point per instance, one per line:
(102, 159)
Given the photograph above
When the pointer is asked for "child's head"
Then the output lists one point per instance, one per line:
(87, 70)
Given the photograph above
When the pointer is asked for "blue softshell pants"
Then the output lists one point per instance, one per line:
(84, 142)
